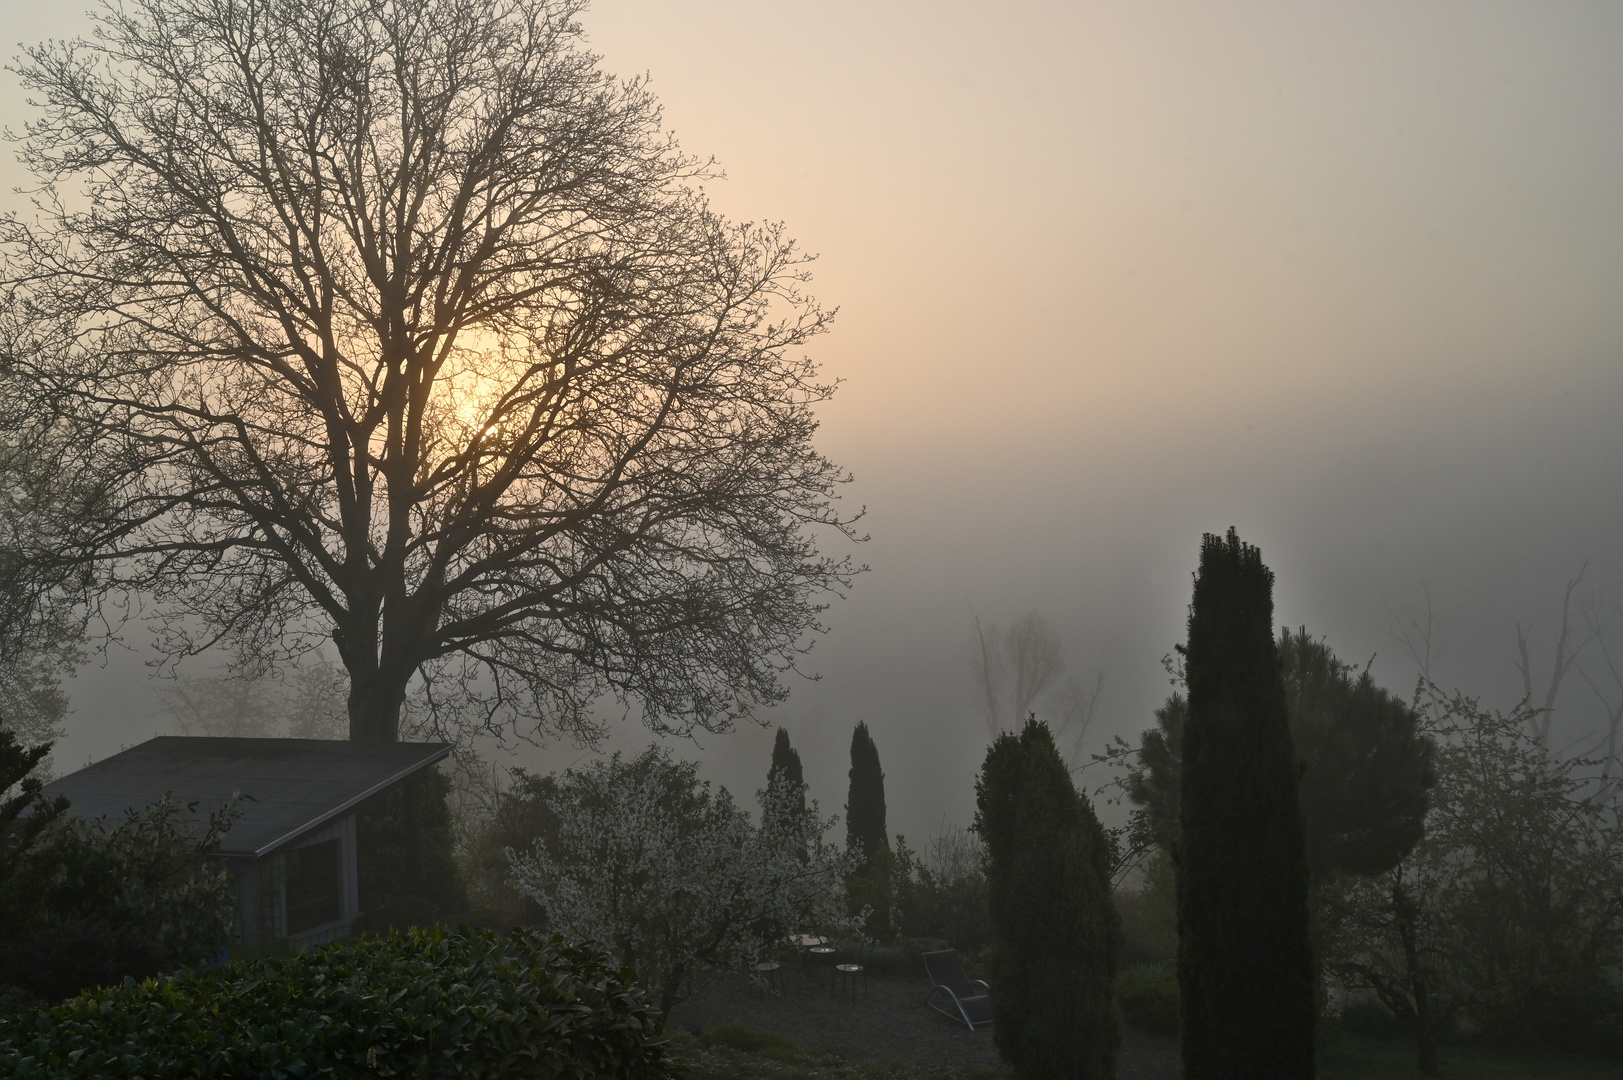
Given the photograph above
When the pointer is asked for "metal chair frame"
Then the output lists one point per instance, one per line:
(960, 1002)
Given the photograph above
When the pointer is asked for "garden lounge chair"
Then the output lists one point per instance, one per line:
(953, 994)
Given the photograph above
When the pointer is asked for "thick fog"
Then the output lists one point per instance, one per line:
(1111, 276)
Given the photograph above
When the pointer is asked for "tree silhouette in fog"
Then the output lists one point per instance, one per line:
(404, 324)
(1245, 969)
(865, 801)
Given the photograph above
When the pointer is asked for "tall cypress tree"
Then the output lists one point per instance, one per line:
(786, 761)
(1244, 963)
(1055, 930)
(865, 805)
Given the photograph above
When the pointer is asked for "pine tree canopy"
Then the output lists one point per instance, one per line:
(1366, 769)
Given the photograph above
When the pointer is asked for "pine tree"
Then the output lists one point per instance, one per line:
(1055, 930)
(1245, 971)
(865, 805)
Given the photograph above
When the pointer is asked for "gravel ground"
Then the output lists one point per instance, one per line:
(886, 1020)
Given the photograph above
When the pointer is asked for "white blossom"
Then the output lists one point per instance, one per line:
(674, 880)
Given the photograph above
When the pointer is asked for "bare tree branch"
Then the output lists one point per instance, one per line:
(404, 324)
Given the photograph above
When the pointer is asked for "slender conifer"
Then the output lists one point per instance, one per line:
(865, 805)
(786, 761)
(1245, 971)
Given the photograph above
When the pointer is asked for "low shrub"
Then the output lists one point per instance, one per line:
(1148, 1001)
(738, 1037)
(1367, 1016)
(429, 1004)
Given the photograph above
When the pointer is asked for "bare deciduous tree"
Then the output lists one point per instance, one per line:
(404, 323)
(305, 702)
(1017, 668)
(1607, 685)
(1566, 653)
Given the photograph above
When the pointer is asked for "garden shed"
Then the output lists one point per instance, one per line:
(293, 853)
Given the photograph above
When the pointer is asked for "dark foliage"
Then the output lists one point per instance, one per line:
(1366, 767)
(865, 805)
(70, 957)
(786, 763)
(469, 1004)
(1153, 785)
(1055, 930)
(522, 815)
(404, 845)
(785, 760)
(1149, 916)
(1245, 967)
(24, 817)
(948, 909)
(153, 874)
(1149, 1001)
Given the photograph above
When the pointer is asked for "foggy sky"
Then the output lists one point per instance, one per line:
(1111, 276)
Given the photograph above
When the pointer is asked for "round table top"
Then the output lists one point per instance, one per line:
(820, 949)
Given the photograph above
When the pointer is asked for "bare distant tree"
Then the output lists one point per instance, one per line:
(233, 705)
(305, 701)
(1018, 667)
(1566, 653)
(1606, 682)
(1420, 638)
(404, 324)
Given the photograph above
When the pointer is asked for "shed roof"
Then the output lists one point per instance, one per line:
(290, 785)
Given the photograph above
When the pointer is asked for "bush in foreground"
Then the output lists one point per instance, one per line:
(1055, 926)
(431, 1004)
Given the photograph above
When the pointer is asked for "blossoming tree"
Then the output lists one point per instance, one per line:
(676, 880)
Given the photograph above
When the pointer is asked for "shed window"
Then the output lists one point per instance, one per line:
(314, 887)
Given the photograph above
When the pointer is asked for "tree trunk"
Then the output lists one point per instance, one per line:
(374, 707)
(1425, 1031)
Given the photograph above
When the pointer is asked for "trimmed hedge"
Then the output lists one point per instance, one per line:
(424, 1004)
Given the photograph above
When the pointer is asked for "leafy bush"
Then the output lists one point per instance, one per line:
(1149, 1001)
(429, 1004)
(738, 1037)
(85, 903)
(152, 873)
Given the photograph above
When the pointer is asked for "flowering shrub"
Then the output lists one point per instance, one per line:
(674, 879)
(429, 1004)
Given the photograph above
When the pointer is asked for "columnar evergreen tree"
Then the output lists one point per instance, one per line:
(1054, 927)
(1245, 967)
(865, 805)
(786, 763)
(785, 760)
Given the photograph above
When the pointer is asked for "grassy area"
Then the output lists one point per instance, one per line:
(1355, 1056)
(734, 1052)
